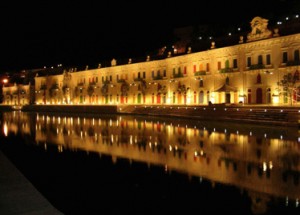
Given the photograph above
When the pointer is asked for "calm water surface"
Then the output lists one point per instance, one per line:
(115, 164)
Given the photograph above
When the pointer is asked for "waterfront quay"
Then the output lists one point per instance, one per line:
(18, 195)
(268, 115)
(262, 114)
(122, 156)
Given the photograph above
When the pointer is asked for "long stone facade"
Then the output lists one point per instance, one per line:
(260, 69)
(16, 95)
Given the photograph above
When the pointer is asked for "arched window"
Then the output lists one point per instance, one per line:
(260, 60)
(207, 67)
(227, 80)
(201, 83)
(227, 64)
(258, 79)
(158, 98)
(258, 96)
(296, 55)
(174, 97)
(158, 73)
(208, 96)
(249, 96)
(268, 96)
(201, 97)
(201, 67)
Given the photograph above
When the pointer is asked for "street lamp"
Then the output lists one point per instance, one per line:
(5, 81)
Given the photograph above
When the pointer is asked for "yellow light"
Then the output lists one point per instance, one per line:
(241, 98)
(5, 129)
(212, 99)
(188, 101)
(275, 99)
(270, 165)
(264, 166)
(168, 100)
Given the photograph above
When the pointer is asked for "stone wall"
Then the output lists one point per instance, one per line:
(87, 109)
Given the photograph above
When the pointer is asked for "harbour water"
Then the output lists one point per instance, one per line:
(114, 164)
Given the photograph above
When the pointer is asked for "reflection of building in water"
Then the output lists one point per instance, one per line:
(16, 122)
(263, 161)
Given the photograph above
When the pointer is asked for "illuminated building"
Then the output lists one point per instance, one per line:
(248, 72)
(16, 95)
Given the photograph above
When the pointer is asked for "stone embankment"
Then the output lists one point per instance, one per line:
(81, 109)
(268, 115)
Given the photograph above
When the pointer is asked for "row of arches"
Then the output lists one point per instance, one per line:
(201, 97)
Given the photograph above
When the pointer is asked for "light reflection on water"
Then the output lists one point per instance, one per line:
(263, 160)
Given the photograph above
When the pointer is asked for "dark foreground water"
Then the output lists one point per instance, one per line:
(78, 183)
(129, 165)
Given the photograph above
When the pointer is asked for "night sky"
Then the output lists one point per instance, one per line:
(40, 34)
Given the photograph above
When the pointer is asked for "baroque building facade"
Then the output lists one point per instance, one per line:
(16, 95)
(260, 69)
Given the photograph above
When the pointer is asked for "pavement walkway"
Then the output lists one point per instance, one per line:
(18, 196)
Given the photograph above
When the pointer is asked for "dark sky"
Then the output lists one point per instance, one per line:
(40, 34)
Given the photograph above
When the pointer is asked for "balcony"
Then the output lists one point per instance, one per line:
(178, 75)
(158, 77)
(141, 79)
(293, 63)
(257, 66)
(226, 70)
(120, 81)
(94, 84)
(106, 82)
(199, 73)
(80, 84)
